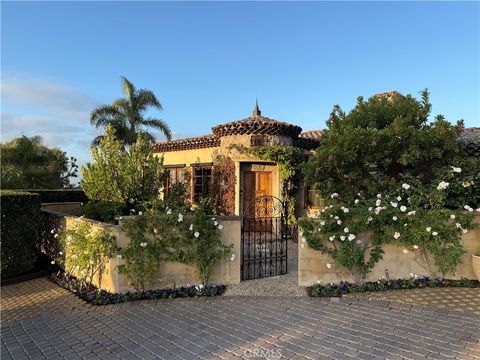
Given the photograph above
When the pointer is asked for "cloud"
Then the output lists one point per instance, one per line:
(57, 98)
(59, 113)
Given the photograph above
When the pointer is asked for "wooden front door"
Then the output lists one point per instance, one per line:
(255, 184)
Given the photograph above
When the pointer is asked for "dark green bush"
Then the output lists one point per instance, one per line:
(59, 195)
(20, 231)
(104, 211)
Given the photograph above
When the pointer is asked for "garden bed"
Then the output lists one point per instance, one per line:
(96, 296)
(337, 290)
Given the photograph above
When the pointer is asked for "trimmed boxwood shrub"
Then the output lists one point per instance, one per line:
(59, 195)
(20, 231)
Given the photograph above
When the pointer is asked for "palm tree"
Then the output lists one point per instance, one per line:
(126, 115)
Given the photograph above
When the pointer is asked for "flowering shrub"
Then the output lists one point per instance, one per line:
(151, 242)
(384, 284)
(199, 243)
(96, 296)
(383, 169)
(192, 239)
(87, 251)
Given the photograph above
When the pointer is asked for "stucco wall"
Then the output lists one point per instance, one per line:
(188, 157)
(312, 264)
(171, 273)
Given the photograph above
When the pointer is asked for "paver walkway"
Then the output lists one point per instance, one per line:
(448, 298)
(36, 297)
(245, 327)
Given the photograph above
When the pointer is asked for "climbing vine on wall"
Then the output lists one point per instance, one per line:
(289, 160)
(223, 185)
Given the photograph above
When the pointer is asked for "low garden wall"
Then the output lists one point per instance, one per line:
(312, 265)
(71, 208)
(170, 274)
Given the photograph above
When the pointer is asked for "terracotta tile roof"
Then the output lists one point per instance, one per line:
(312, 134)
(198, 142)
(258, 125)
(470, 137)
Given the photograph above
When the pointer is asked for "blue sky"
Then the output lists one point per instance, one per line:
(207, 62)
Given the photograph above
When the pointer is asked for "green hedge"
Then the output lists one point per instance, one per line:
(59, 195)
(20, 231)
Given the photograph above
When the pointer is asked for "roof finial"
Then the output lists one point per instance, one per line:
(256, 110)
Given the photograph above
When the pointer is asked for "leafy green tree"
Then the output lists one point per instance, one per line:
(126, 115)
(129, 177)
(378, 142)
(26, 163)
(384, 170)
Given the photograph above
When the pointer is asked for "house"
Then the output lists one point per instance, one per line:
(192, 160)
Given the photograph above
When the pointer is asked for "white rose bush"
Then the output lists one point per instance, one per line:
(398, 173)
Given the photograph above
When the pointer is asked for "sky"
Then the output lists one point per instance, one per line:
(207, 62)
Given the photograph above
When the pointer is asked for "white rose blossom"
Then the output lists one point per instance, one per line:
(403, 208)
(180, 217)
(405, 251)
(143, 244)
(434, 233)
(452, 217)
(342, 238)
(351, 237)
(394, 218)
(394, 204)
(396, 235)
(196, 234)
(334, 195)
(339, 222)
(329, 265)
(356, 201)
(406, 186)
(464, 231)
(468, 208)
(443, 185)
(456, 169)
(428, 229)
(331, 238)
(220, 227)
(399, 198)
(346, 230)
(415, 247)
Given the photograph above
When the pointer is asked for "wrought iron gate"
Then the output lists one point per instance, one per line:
(264, 238)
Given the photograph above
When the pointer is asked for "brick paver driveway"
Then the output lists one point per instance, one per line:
(246, 327)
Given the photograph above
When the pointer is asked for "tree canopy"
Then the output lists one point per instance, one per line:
(380, 142)
(26, 163)
(126, 115)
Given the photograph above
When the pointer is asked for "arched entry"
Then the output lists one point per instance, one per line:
(264, 238)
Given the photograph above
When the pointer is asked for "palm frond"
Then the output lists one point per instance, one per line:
(128, 88)
(145, 134)
(97, 140)
(159, 125)
(103, 115)
(145, 98)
